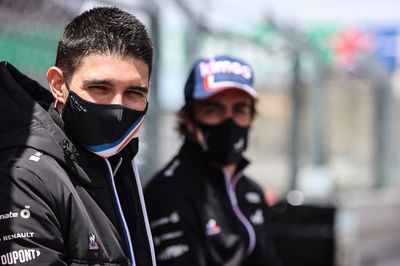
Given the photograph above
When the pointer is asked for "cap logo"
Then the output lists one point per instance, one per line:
(218, 67)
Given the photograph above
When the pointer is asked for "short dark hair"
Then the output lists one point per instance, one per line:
(103, 30)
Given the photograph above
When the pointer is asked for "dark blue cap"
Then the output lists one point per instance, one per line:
(212, 75)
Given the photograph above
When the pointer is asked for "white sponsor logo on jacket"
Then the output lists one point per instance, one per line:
(19, 256)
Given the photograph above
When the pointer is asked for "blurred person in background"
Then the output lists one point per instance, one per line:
(69, 189)
(202, 209)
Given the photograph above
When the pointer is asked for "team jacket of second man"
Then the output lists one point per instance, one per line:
(60, 205)
(200, 218)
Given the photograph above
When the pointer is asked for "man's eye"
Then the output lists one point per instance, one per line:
(243, 110)
(135, 93)
(213, 111)
(210, 109)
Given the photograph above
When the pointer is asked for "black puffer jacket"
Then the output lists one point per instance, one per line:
(60, 205)
(200, 218)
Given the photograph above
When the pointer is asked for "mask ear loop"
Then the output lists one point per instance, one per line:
(58, 105)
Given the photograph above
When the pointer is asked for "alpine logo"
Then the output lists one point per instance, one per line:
(212, 228)
(20, 256)
(93, 245)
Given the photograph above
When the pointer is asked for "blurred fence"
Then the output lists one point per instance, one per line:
(29, 31)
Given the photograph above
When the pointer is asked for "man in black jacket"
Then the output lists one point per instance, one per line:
(203, 211)
(70, 193)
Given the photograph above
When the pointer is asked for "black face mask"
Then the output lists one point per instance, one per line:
(224, 142)
(104, 129)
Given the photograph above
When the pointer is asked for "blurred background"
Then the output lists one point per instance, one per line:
(324, 145)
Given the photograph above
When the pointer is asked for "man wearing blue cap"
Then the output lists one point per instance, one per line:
(202, 209)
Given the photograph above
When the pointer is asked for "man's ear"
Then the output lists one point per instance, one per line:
(56, 81)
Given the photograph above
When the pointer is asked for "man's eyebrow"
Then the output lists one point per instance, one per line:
(242, 104)
(97, 82)
(110, 83)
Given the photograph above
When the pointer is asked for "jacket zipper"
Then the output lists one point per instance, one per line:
(125, 229)
(230, 186)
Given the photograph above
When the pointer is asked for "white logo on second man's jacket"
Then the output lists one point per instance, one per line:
(171, 218)
(173, 252)
(253, 197)
(257, 218)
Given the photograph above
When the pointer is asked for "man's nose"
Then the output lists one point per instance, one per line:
(117, 99)
(228, 113)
